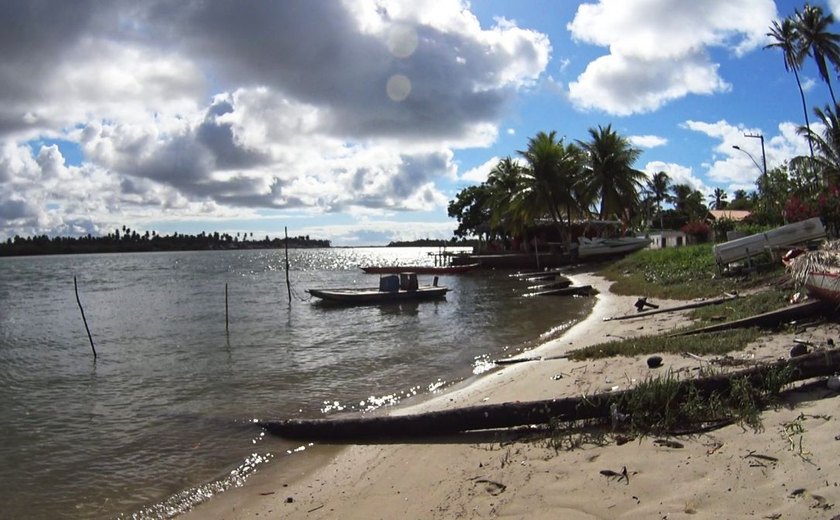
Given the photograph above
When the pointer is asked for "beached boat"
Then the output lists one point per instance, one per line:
(594, 247)
(392, 288)
(781, 237)
(420, 269)
(824, 285)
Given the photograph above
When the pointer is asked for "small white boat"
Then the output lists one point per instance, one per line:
(592, 247)
(824, 285)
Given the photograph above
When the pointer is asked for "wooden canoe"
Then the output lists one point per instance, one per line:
(374, 295)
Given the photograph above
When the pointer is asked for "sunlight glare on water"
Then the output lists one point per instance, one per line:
(165, 415)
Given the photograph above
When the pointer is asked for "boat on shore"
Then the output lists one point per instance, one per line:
(421, 269)
(392, 288)
(824, 285)
(589, 248)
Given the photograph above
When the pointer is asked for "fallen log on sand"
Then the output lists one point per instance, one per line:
(507, 415)
(772, 318)
(704, 303)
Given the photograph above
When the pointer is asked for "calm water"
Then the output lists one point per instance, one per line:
(169, 404)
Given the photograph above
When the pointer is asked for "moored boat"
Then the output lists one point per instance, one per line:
(420, 269)
(594, 247)
(392, 288)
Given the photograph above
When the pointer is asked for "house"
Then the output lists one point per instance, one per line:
(735, 215)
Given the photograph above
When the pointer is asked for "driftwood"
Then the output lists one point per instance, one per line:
(536, 274)
(704, 303)
(772, 318)
(508, 415)
(561, 284)
(564, 291)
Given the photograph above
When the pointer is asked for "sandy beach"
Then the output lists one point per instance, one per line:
(789, 469)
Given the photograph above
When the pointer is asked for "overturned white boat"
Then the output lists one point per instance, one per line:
(775, 239)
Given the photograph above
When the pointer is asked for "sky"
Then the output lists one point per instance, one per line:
(357, 121)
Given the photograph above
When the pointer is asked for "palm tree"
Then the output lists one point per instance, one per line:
(610, 174)
(812, 28)
(718, 197)
(659, 185)
(503, 183)
(828, 144)
(787, 39)
(548, 182)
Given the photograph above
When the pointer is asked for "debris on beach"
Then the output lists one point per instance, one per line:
(619, 476)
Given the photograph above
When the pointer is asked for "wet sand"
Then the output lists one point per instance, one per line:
(787, 470)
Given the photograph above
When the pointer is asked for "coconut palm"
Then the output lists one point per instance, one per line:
(815, 38)
(503, 183)
(548, 181)
(786, 38)
(827, 144)
(658, 185)
(610, 177)
(718, 197)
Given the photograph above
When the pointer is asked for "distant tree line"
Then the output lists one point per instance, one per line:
(129, 241)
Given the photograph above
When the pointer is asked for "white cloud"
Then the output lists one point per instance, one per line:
(678, 174)
(740, 168)
(479, 174)
(658, 49)
(647, 141)
(298, 115)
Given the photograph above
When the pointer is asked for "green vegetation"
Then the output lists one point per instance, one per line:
(667, 405)
(678, 273)
(709, 344)
(131, 241)
(686, 273)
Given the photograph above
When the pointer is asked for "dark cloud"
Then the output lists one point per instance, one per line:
(12, 209)
(218, 137)
(417, 170)
(314, 52)
(34, 36)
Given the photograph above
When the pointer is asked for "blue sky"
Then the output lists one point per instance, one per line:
(357, 121)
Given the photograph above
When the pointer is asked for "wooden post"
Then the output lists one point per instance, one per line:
(288, 285)
(226, 307)
(84, 320)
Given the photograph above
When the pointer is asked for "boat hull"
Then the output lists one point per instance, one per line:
(824, 286)
(592, 248)
(420, 269)
(374, 295)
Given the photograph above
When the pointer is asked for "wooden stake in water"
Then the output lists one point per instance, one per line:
(84, 320)
(226, 307)
(288, 285)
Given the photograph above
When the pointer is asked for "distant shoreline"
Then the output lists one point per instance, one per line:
(134, 243)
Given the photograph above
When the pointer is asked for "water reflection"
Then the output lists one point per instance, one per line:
(170, 401)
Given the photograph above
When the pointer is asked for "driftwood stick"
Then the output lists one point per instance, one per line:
(704, 303)
(84, 320)
(793, 312)
(288, 284)
(226, 307)
(508, 415)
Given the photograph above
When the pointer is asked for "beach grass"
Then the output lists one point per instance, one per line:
(681, 273)
(702, 345)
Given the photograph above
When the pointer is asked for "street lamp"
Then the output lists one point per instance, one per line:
(763, 178)
(763, 155)
(735, 146)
